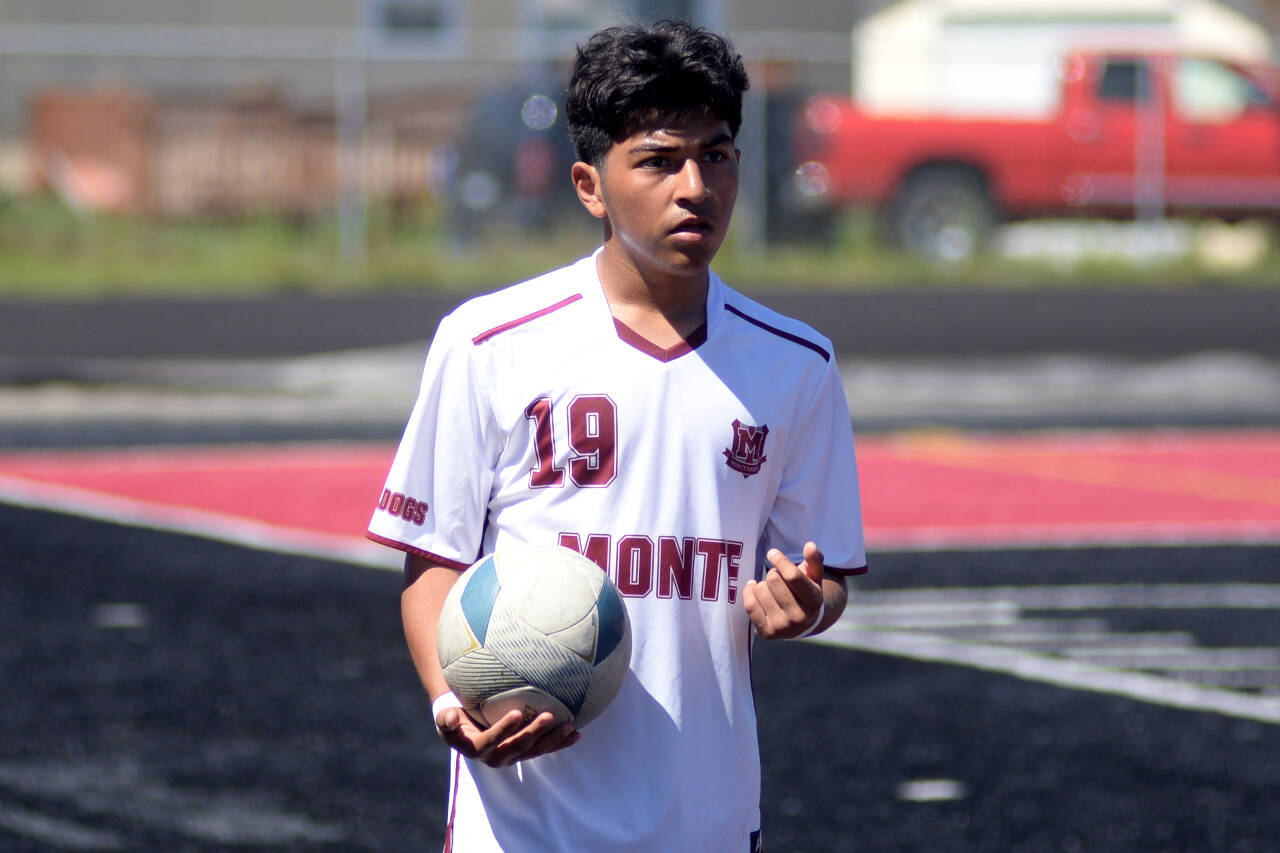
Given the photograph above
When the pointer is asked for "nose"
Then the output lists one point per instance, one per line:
(690, 185)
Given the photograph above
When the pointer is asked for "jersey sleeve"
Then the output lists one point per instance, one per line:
(435, 498)
(818, 499)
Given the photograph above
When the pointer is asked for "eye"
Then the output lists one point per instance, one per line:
(716, 155)
(655, 162)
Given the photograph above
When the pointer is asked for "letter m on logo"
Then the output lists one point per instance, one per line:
(747, 454)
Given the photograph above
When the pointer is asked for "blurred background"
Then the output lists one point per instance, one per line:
(1040, 234)
(233, 146)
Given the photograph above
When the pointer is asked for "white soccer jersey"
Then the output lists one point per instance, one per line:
(541, 419)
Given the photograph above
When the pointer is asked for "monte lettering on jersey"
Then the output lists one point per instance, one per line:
(670, 567)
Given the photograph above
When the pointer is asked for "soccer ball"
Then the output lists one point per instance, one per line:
(534, 628)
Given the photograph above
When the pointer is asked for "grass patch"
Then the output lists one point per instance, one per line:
(50, 251)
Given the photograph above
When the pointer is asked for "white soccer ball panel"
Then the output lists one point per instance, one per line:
(606, 681)
(477, 675)
(537, 658)
(555, 587)
(530, 701)
(580, 638)
(453, 638)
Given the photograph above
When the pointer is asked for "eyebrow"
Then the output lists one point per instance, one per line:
(658, 148)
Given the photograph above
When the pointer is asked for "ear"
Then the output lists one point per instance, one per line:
(586, 180)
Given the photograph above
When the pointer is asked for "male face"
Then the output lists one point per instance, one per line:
(666, 193)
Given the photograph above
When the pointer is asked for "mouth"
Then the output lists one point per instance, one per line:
(693, 228)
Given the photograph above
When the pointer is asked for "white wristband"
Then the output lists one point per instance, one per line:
(822, 611)
(443, 702)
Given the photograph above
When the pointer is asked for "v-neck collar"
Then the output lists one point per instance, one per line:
(632, 338)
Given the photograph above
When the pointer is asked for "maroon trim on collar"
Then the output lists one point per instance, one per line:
(633, 338)
(826, 356)
(520, 321)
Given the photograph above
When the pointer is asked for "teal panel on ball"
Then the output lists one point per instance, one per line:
(613, 621)
(478, 597)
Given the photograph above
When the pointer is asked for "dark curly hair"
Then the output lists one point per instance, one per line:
(628, 76)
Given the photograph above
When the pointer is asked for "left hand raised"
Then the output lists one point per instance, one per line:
(786, 603)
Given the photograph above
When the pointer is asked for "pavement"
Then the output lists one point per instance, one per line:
(349, 364)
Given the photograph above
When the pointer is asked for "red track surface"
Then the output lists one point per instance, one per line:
(941, 489)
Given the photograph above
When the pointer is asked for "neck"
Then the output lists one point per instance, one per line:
(658, 304)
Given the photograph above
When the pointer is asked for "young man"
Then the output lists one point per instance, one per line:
(693, 443)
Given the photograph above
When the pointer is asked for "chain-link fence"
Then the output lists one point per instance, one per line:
(216, 123)
(319, 123)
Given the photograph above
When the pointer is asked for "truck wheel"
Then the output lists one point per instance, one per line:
(942, 214)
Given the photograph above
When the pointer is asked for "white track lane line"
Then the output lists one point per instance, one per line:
(1061, 672)
(1193, 596)
(57, 833)
(194, 522)
(882, 621)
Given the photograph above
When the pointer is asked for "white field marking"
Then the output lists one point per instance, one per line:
(1195, 596)
(935, 614)
(1112, 640)
(1030, 629)
(125, 616)
(1060, 672)
(932, 790)
(195, 522)
(1178, 658)
(1073, 632)
(1238, 679)
(63, 834)
(1090, 660)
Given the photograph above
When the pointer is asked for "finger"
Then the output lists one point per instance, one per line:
(520, 744)
(507, 725)
(783, 587)
(473, 740)
(803, 582)
(560, 737)
(461, 732)
(782, 565)
(776, 605)
(756, 612)
(447, 720)
(814, 562)
(793, 603)
(456, 719)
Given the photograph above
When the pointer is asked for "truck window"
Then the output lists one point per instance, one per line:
(1124, 80)
(1205, 90)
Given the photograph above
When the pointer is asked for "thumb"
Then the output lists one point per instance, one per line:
(450, 720)
(813, 562)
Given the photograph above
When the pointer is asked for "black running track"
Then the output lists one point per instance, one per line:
(167, 693)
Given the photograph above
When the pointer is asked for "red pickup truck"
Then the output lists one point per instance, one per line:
(1132, 134)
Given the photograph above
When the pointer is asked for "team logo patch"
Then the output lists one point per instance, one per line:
(747, 453)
